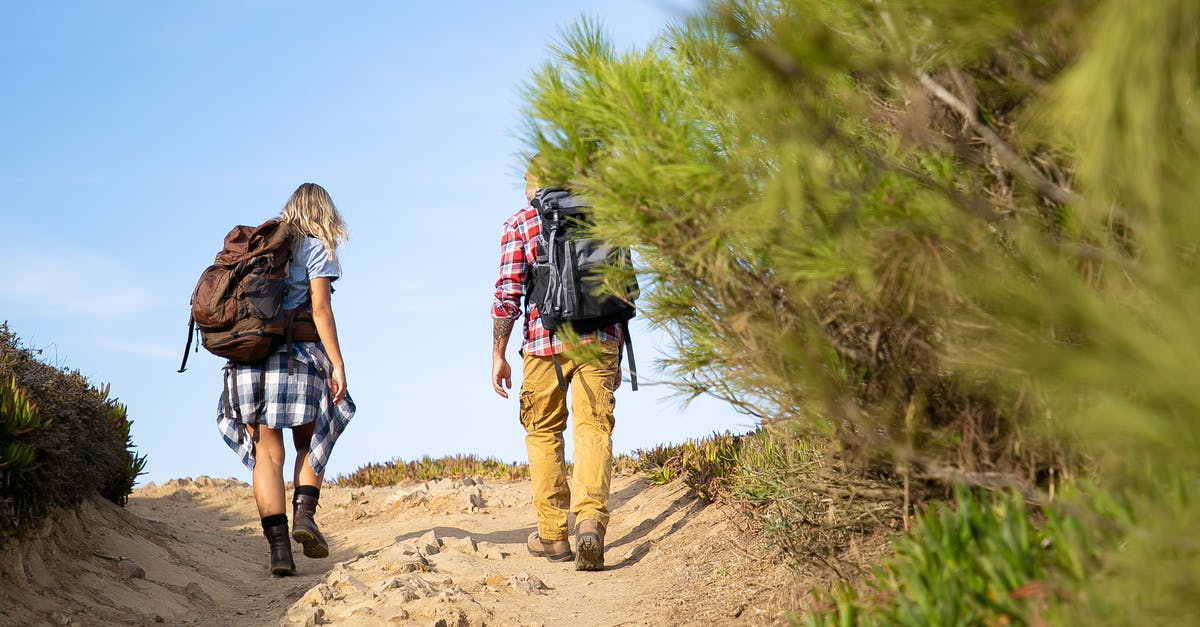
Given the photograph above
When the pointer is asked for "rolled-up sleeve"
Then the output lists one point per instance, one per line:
(510, 287)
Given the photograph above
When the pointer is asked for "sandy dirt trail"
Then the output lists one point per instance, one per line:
(191, 552)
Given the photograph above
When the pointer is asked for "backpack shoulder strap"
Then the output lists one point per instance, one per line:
(633, 384)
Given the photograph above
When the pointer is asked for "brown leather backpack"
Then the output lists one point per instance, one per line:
(237, 305)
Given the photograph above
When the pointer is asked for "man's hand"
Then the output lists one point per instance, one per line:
(501, 375)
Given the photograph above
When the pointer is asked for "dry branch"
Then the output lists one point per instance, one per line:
(1004, 153)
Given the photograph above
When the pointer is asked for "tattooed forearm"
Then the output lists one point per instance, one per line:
(501, 329)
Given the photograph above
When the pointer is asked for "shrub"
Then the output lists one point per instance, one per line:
(61, 438)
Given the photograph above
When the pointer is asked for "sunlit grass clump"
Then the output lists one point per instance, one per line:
(702, 463)
(428, 468)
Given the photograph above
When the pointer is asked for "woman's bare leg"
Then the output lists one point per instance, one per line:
(303, 473)
(268, 470)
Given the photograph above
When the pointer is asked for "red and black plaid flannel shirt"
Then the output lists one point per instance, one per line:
(518, 249)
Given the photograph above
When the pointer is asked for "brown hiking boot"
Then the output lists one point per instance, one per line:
(589, 546)
(553, 550)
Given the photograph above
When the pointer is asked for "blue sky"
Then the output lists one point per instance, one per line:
(137, 133)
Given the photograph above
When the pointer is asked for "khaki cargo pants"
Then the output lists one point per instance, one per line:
(544, 416)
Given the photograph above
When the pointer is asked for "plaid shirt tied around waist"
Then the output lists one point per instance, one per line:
(264, 393)
(518, 250)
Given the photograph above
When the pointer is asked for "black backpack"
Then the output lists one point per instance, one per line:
(568, 275)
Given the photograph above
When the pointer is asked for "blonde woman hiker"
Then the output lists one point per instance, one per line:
(301, 387)
(543, 400)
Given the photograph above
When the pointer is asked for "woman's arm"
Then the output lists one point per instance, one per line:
(327, 330)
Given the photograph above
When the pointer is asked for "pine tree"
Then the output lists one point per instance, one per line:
(961, 237)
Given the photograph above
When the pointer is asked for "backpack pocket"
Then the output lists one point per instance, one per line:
(594, 299)
(262, 295)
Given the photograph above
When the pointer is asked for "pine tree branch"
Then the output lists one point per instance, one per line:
(1006, 155)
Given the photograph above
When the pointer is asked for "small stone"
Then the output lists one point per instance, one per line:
(317, 617)
(316, 595)
(360, 513)
(396, 591)
(130, 569)
(429, 543)
(420, 586)
(194, 591)
(463, 545)
(347, 586)
(528, 584)
(468, 482)
(490, 551)
(401, 494)
(408, 567)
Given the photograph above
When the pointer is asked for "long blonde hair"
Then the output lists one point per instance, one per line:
(311, 211)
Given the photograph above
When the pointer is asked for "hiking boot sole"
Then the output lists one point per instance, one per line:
(557, 557)
(590, 552)
(313, 547)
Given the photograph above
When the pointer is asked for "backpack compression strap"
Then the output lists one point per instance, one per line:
(191, 332)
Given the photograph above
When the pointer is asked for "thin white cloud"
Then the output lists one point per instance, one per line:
(58, 281)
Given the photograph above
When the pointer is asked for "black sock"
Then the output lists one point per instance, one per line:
(274, 520)
(308, 490)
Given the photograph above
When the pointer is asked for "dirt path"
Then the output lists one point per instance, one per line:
(191, 552)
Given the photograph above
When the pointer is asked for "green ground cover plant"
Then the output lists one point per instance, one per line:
(984, 559)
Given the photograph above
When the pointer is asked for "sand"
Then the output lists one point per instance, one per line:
(191, 552)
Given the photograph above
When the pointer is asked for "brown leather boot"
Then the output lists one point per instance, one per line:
(589, 546)
(304, 528)
(553, 550)
(281, 550)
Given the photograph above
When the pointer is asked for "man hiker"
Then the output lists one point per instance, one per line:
(591, 377)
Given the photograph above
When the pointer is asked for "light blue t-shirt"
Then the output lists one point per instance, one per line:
(308, 262)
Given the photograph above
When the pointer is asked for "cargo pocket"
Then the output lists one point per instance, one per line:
(526, 411)
(602, 411)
